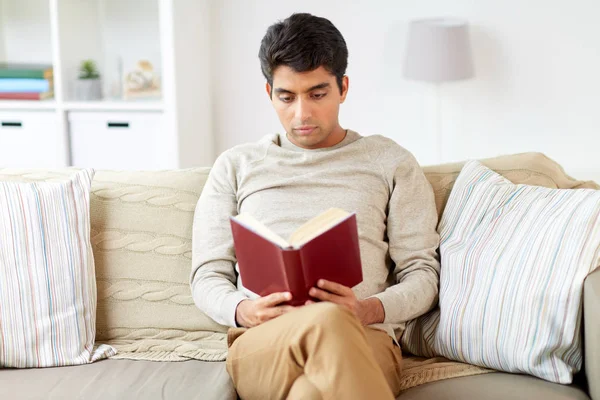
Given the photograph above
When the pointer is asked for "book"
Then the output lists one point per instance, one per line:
(22, 70)
(26, 96)
(9, 85)
(325, 247)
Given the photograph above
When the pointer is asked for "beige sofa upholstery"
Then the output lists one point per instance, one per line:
(141, 236)
(121, 379)
(591, 321)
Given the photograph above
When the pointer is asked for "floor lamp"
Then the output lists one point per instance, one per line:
(438, 50)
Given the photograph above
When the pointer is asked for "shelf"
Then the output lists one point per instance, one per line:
(148, 105)
(173, 36)
(155, 105)
(116, 34)
(27, 105)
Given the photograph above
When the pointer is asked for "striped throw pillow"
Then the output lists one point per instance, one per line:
(514, 259)
(47, 281)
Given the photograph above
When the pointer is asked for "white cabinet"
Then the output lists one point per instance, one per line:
(30, 139)
(174, 35)
(117, 140)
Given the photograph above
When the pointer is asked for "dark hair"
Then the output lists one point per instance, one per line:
(303, 42)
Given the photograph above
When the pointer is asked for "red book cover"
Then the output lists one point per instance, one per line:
(269, 264)
(25, 96)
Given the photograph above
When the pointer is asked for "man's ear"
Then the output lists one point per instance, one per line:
(268, 88)
(345, 87)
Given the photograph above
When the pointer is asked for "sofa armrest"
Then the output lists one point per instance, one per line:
(591, 311)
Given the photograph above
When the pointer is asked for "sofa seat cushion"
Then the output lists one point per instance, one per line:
(120, 379)
(494, 386)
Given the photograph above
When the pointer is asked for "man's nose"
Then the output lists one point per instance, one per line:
(303, 110)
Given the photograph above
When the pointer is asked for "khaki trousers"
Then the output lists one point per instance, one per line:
(319, 351)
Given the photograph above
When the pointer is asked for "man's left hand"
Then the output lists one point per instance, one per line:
(368, 311)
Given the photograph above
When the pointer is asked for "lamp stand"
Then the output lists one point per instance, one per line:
(439, 139)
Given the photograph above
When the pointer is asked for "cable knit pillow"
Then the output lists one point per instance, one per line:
(47, 280)
(514, 259)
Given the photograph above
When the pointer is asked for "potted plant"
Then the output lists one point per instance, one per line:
(89, 84)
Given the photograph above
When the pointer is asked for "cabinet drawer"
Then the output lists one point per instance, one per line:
(116, 140)
(31, 139)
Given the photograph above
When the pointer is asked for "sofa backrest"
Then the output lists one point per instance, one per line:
(142, 241)
(141, 234)
(525, 168)
(142, 231)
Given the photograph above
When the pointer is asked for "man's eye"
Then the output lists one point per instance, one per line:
(319, 95)
(285, 99)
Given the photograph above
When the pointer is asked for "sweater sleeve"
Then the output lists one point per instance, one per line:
(213, 277)
(413, 242)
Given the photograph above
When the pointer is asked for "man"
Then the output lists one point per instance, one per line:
(344, 345)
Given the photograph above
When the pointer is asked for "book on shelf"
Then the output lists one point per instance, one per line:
(26, 96)
(325, 247)
(26, 71)
(25, 85)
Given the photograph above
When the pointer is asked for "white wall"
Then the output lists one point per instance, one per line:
(196, 144)
(537, 86)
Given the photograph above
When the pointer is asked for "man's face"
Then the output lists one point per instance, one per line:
(308, 104)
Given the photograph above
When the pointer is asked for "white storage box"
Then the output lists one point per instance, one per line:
(116, 140)
(31, 139)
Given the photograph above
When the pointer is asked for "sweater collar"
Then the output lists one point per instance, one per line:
(350, 137)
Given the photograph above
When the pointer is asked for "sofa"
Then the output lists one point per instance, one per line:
(141, 228)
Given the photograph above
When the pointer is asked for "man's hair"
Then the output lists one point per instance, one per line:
(303, 42)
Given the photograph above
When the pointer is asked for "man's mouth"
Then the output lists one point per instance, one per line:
(305, 130)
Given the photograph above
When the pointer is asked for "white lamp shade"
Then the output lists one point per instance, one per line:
(438, 50)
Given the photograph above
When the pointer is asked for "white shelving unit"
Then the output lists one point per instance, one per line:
(173, 131)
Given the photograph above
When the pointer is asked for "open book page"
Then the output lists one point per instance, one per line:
(317, 225)
(259, 228)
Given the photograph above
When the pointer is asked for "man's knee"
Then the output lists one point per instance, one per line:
(329, 316)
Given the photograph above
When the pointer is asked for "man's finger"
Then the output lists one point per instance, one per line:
(324, 295)
(275, 298)
(333, 287)
(274, 312)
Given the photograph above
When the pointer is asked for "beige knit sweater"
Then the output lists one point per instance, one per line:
(284, 185)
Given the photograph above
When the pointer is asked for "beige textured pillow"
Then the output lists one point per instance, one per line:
(142, 241)
(141, 238)
(526, 168)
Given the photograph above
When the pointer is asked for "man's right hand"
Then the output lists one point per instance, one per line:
(251, 313)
